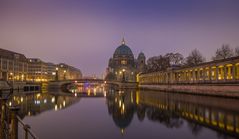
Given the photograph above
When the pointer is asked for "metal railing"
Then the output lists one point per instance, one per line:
(5, 120)
(27, 129)
(10, 121)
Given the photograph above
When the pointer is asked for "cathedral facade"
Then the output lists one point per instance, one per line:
(123, 66)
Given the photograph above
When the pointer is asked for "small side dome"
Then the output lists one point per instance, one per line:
(141, 55)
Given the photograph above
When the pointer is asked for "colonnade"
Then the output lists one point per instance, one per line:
(211, 72)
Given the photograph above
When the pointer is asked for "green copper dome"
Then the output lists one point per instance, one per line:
(123, 50)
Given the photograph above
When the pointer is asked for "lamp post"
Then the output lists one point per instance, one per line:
(12, 79)
(123, 79)
(64, 74)
(11, 76)
(56, 78)
(53, 75)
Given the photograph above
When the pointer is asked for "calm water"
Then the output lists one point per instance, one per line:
(126, 114)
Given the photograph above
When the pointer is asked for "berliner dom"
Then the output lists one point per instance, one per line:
(123, 66)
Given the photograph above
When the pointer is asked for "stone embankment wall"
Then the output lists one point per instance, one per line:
(228, 90)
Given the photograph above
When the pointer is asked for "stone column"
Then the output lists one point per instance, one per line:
(191, 76)
(216, 73)
(237, 72)
(166, 77)
(233, 71)
(194, 78)
(1, 64)
(181, 77)
(158, 78)
(204, 73)
(171, 77)
(199, 74)
(210, 73)
(225, 72)
(185, 77)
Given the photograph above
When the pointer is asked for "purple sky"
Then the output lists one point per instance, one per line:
(86, 33)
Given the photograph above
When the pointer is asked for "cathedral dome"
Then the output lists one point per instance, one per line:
(123, 50)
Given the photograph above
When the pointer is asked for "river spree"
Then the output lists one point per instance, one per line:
(125, 114)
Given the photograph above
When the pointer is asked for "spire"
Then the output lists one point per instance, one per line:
(123, 41)
(122, 131)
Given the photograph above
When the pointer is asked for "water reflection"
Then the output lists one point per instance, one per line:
(86, 89)
(173, 110)
(121, 106)
(34, 104)
(196, 114)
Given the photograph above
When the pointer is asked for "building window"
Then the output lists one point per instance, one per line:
(4, 64)
(123, 62)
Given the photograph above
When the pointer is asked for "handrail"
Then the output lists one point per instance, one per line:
(27, 129)
(5, 127)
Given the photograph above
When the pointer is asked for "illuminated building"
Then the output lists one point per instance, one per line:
(37, 70)
(13, 66)
(123, 66)
(67, 72)
(219, 71)
(16, 67)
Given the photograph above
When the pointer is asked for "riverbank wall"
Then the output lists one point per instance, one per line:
(221, 90)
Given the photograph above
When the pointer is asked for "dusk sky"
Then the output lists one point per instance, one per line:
(85, 33)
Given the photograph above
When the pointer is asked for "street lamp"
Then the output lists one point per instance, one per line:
(123, 79)
(11, 76)
(56, 78)
(12, 79)
(64, 74)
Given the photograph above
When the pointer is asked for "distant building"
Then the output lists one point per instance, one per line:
(16, 67)
(67, 72)
(123, 66)
(51, 71)
(37, 70)
(13, 66)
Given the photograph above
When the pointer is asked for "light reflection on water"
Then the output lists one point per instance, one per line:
(108, 113)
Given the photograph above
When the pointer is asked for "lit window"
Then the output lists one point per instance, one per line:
(123, 62)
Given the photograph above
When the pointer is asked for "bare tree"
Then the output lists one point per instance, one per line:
(175, 58)
(157, 63)
(195, 58)
(237, 51)
(224, 52)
